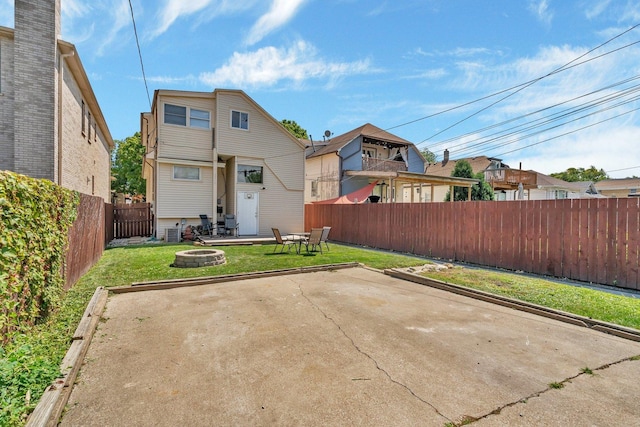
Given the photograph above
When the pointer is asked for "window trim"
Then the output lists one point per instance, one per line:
(240, 120)
(173, 173)
(187, 116)
(84, 113)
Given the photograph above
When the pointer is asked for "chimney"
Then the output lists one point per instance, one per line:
(37, 28)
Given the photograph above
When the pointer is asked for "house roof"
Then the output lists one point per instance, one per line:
(368, 131)
(478, 164)
(618, 184)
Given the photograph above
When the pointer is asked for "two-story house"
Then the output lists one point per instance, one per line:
(369, 157)
(220, 153)
(51, 125)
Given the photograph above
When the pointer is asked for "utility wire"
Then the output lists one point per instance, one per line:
(144, 76)
(557, 70)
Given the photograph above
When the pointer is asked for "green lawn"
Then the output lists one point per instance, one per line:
(31, 362)
(585, 302)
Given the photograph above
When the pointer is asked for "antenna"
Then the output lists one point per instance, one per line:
(327, 133)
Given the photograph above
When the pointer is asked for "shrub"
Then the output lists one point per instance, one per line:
(35, 216)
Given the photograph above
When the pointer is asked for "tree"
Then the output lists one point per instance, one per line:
(295, 129)
(428, 155)
(480, 191)
(581, 174)
(126, 166)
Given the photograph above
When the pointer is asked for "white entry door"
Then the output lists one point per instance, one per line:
(247, 213)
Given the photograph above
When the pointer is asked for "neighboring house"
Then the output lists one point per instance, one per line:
(51, 125)
(516, 184)
(219, 153)
(350, 162)
(624, 187)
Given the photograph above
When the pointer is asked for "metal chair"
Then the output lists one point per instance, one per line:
(314, 240)
(207, 226)
(283, 241)
(325, 235)
(230, 224)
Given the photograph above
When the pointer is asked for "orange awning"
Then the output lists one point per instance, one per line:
(358, 196)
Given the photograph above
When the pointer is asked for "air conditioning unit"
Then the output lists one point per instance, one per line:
(172, 235)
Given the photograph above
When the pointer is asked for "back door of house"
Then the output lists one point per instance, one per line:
(247, 213)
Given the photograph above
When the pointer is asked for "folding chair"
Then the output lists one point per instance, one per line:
(314, 240)
(325, 235)
(207, 226)
(230, 224)
(283, 241)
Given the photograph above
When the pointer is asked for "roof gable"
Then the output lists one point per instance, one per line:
(366, 131)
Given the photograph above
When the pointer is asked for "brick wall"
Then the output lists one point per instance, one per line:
(6, 102)
(37, 25)
(85, 156)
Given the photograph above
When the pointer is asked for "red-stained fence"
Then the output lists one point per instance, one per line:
(591, 240)
(132, 220)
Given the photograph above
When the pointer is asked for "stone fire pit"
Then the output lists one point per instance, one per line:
(199, 258)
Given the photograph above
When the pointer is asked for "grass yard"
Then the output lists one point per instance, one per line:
(585, 302)
(31, 362)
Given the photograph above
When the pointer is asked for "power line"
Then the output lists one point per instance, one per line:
(519, 87)
(144, 76)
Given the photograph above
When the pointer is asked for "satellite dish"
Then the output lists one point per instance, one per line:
(327, 133)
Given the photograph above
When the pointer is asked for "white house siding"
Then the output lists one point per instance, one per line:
(85, 157)
(179, 199)
(6, 101)
(265, 143)
(184, 142)
(278, 207)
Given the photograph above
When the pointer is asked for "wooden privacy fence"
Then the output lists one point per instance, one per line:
(132, 220)
(86, 238)
(591, 240)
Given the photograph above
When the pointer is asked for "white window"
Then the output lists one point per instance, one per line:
(199, 118)
(177, 115)
(189, 173)
(239, 120)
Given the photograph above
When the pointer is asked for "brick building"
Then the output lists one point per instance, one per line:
(51, 125)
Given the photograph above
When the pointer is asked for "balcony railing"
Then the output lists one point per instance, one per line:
(510, 178)
(379, 165)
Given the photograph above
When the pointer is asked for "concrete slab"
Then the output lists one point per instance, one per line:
(348, 347)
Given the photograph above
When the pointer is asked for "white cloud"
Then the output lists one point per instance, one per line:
(596, 9)
(281, 12)
(270, 65)
(174, 9)
(121, 19)
(540, 9)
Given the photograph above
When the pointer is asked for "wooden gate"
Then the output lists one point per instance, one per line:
(132, 220)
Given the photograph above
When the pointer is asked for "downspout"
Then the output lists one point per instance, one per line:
(60, 90)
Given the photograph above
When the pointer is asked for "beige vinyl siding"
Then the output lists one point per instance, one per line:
(184, 198)
(278, 206)
(264, 139)
(185, 142)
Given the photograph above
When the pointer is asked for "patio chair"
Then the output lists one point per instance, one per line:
(314, 240)
(283, 241)
(230, 224)
(325, 235)
(207, 226)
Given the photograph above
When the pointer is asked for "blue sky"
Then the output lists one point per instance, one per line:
(415, 67)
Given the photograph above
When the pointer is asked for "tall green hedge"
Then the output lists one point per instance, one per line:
(35, 216)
